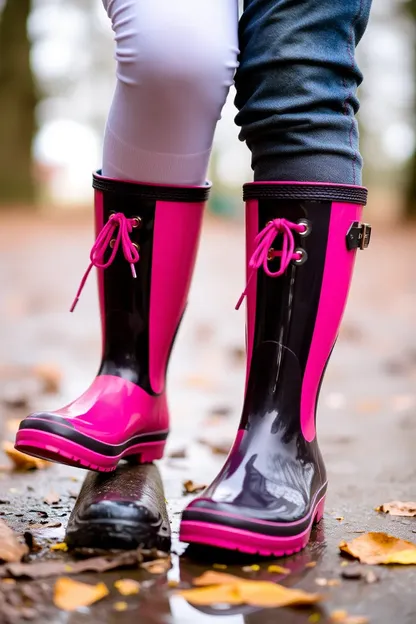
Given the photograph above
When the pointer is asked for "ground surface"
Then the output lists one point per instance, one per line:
(367, 421)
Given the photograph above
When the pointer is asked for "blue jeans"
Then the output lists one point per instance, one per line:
(296, 88)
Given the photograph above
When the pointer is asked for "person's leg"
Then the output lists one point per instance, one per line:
(296, 93)
(175, 64)
(176, 61)
(296, 88)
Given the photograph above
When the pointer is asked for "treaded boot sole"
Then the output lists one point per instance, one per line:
(54, 447)
(253, 542)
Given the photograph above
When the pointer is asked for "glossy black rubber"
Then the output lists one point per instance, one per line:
(125, 509)
(275, 475)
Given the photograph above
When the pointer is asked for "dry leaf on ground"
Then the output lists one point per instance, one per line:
(50, 377)
(45, 569)
(380, 548)
(120, 606)
(342, 617)
(278, 569)
(52, 498)
(11, 549)
(217, 448)
(70, 595)
(21, 461)
(189, 487)
(216, 587)
(127, 587)
(398, 508)
(61, 546)
(158, 566)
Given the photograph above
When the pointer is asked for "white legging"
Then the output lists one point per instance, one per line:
(175, 63)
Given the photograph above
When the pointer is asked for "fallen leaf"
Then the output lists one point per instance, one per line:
(127, 587)
(216, 587)
(178, 454)
(121, 606)
(278, 569)
(70, 595)
(50, 376)
(251, 568)
(45, 569)
(189, 487)
(52, 498)
(11, 549)
(380, 548)
(217, 448)
(397, 508)
(60, 546)
(342, 617)
(219, 566)
(323, 582)
(310, 564)
(21, 461)
(221, 594)
(158, 566)
(339, 518)
(49, 525)
(173, 584)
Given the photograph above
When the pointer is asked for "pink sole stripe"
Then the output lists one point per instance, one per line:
(230, 538)
(55, 448)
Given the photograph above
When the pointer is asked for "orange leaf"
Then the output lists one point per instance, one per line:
(189, 487)
(397, 508)
(21, 461)
(380, 548)
(217, 594)
(70, 595)
(266, 594)
(11, 550)
(127, 587)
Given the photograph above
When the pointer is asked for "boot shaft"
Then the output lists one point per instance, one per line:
(140, 316)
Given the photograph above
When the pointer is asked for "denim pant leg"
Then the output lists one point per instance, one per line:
(296, 88)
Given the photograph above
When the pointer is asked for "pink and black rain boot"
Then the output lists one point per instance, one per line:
(301, 244)
(147, 239)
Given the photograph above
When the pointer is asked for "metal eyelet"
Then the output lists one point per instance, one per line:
(308, 226)
(137, 246)
(112, 243)
(137, 222)
(270, 253)
(303, 256)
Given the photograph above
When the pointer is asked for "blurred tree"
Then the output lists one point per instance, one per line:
(17, 105)
(410, 6)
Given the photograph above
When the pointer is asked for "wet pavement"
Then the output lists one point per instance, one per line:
(367, 424)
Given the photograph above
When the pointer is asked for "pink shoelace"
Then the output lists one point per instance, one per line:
(264, 251)
(124, 226)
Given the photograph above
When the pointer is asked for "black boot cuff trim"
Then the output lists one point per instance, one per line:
(306, 191)
(189, 194)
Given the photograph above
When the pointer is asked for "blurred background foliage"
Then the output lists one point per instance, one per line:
(56, 83)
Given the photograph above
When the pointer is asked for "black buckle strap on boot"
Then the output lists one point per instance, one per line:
(358, 236)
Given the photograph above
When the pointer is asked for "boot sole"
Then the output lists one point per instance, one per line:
(251, 542)
(58, 449)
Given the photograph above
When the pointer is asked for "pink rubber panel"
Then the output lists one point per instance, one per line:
(252, 229)
(113, 410)
(247, 541)
(336, 281)
(175, 243)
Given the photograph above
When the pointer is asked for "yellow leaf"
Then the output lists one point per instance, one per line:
(278, 569)
(219, 594)
(21, 461)
(127, 587)
(398, 508)
(380, 548)
(219, 566)
(266, 594)
(216, 578)
(342, 617)
(121, 606)
(70, 595)
(60, 546)
(229, 589)
(189, 487)
(158, 566)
